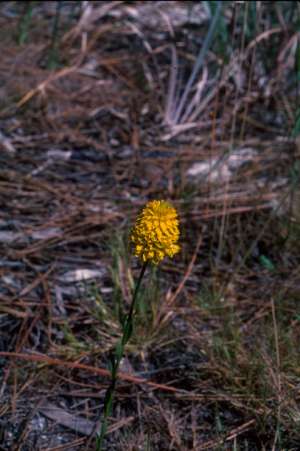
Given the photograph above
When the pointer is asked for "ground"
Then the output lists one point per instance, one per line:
(100, 112)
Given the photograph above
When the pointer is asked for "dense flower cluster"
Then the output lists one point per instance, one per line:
(156, 232)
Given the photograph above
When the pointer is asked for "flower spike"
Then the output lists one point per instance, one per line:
(156, 232)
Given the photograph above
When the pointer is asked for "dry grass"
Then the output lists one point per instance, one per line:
(91, 128)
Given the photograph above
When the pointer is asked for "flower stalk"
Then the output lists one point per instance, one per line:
(116, 360)
(154, 236)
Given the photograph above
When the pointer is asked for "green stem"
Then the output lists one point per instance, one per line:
(52, 56)
(129, 317)
(116, 359)
(25, 23)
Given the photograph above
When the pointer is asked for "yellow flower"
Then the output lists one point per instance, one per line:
(156, 232)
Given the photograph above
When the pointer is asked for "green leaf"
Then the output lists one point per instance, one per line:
(266, 263)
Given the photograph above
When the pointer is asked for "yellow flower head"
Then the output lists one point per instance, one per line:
(156, 232)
